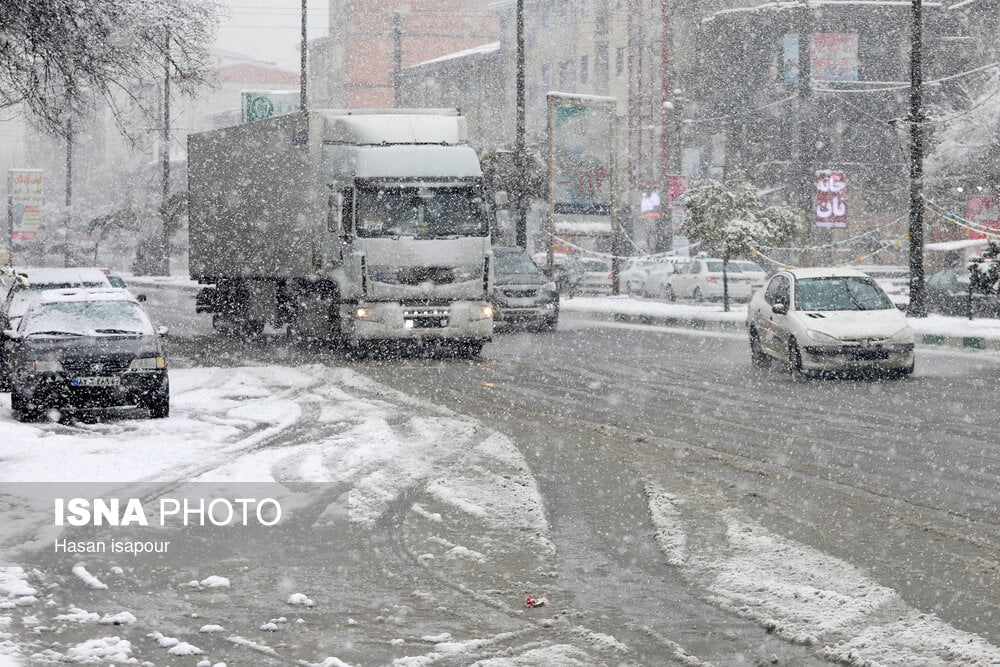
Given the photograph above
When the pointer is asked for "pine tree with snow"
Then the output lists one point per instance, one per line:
(729, 219)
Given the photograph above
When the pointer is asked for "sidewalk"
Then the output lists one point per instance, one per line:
(978, 334)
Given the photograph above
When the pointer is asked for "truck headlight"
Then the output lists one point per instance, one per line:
(148, 364)
(485, 312)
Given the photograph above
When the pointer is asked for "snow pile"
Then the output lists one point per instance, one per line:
(810, 598)
(105, 650)
(670, 535)
(214, 581)
(121, 618)
(299, 599)
(80, 570)
(14, 588)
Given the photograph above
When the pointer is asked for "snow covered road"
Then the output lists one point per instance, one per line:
(650, 502)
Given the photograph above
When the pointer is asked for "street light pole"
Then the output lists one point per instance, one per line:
(303, 60)
(917, 306)
(165, 163)
(520, 158)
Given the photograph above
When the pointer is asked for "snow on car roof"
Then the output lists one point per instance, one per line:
(827, 272)
(62, 276)
(90, 294)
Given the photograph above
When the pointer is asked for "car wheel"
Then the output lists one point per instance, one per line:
(159, 406)
(758, 357)
(22, 408)
(697, 295)
(794, 359)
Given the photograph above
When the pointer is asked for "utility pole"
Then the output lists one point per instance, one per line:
(303, 61)
(917, 307)
(165, 162)
(520, 157)
(67, 258)
(397, 55)
(806, 139)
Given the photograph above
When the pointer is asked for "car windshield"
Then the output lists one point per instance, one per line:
(421, 212)
(509, 263)
(840, 293)
(87, 318)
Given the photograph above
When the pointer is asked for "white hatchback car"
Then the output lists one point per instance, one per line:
(824, 319)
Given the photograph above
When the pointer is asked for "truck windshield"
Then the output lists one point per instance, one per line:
(421, 212)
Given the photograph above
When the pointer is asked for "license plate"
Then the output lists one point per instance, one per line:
(871, 355)
(97, 381)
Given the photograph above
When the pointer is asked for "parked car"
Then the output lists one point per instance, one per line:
(522, 294)
(21, 292)
(947, 292)
(824, 319)
(594, 276)
(752, 270)
(634, 274)
(81, 349)
(701, 279)
(658, 277)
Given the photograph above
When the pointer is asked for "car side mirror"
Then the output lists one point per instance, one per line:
(140, 298)
(780, 308)
(162, 331)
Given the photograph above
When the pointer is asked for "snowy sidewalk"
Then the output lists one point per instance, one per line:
(978, 334)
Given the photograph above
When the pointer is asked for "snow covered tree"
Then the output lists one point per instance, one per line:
(729, 219)
(60, 57)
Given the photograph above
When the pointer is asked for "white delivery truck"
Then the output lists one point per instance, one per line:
(357, 226)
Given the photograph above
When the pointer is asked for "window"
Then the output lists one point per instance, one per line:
(601, 66)
(584, 69)
(566, 74)
(619, 60)
(777, 291)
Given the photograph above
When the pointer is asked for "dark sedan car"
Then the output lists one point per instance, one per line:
(84, 349)
(522, 295)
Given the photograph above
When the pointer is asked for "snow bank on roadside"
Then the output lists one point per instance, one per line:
(809, 597)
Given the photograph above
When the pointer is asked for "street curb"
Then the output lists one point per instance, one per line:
(708, 324)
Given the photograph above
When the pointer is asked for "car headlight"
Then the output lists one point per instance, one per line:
(550, 289)
(904, 335)
(147, 364)
(43, 366)
(821, 337)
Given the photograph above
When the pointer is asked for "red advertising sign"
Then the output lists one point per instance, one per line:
(831, 199)
(678, 186)
(984, 212)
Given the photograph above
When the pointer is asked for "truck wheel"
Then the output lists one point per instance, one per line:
(470, 350)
